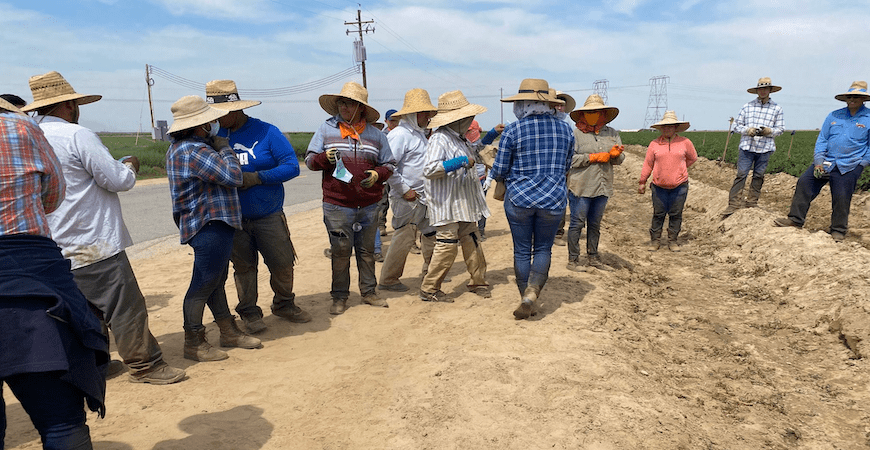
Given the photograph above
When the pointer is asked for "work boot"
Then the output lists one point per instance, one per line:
(160, 376)
(254, 324)
(197, 348)
(595, 261)
(574, 265)
(785, 222)
(527, 305)
(373, 299)
(655, 241)
(232, 336)
(287, 309)
(672, 242)
(482, 291)
(339, 305)
(437, 296)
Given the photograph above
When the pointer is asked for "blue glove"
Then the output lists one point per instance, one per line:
(454, 164)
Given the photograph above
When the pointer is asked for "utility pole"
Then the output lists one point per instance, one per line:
(658, 99)
(359, 48)
(150, 82)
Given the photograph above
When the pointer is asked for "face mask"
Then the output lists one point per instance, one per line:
(591, 118)
(214, 127)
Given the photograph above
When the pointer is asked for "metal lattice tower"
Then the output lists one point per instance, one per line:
(600, 87)
(658, 99)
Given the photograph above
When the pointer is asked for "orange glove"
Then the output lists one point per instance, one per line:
(602, 157)
(616, 150)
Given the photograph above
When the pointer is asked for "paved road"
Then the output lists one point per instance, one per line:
(148, 208)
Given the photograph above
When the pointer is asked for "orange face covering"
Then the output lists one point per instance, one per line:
(592, 122)
(352, 130)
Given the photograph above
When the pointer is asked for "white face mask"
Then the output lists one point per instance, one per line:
(214, 128)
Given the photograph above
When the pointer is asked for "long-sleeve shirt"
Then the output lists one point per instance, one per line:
(758, 115)
(408, 144)
(844, 140)
(31, 179)
(371, 152)
(668, 161)
(203, 185)
(456, 196)
(262, 148)
(533, 158)
(88, 226)
(587, 179)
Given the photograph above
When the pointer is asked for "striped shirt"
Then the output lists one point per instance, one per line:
(203, 185)
(456, 196)
(31, 179)
(533, 158)
(758, 115)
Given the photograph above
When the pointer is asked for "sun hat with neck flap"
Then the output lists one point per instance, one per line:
(192, 111)
(453, 106)
(353, 91)
(51, 88)
(416, 100)
(857, 88)
(223, 94)
(595, 103)
(534, 89)
(670, 118)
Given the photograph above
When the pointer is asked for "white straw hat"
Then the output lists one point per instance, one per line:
(191, 111)
(416, 100)
(670, 118)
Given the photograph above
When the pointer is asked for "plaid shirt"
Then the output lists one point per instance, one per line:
(533, 159)
(203, 186)
(757, 115)
(31, 179)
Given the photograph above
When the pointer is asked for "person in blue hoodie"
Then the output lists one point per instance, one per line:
(267, 160)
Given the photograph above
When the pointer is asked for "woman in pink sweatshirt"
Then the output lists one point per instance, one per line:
(668, 158)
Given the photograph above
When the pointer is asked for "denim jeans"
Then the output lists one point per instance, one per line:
(212, 247)
(583, 210)
(55, 407)
(351, 230)
(269, 236)
(670, 203)
(746, 161)
(533, 231)
(842, 188)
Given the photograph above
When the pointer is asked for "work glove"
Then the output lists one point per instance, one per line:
(487, 182)
(454, 164)
(751, 131)
(370, 179)
(602, 157)
(766, 131)
(616, 150)
(331, 155)
(819, 172)
(219, 143)
(250, 179)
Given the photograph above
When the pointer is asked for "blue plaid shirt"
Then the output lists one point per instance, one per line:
(758, 115)
(533, 159)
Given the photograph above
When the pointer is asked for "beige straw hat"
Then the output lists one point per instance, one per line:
(353, 91)
(857, 88)
(453, 106)
(762, 83)
(9, 106)
(570, 103)
(595, 103)
(534, 89)
(191, 111)
(51, 88)
(416, 100)
(223, 94)
(670, 118)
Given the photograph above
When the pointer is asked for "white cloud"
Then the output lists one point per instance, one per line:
(246, 11)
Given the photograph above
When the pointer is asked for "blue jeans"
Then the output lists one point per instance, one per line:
(583, 210)
(746, 161)
(55, 407)
(212, 247)
(842, 188)
(351, 230)
(533, 231)
(670, 203)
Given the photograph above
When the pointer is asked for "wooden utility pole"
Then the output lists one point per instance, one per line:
(149, 82)
(360, 51)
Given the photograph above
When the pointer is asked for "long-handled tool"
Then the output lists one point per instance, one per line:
(727, 138)
(789, 144)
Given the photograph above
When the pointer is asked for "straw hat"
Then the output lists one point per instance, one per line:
(534, 89)
(857, 88)
(191, 111)
(353, 91)
(570, 103)
(453, 106)
(595, 103)
(223, 94)
(8, 106)
(51, 88)
(670, 118)
(762, 83)
(416, 100)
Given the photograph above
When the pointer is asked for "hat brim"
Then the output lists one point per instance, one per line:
(532, 97)
(235, 106)
(80, 99)
(681, 126)
(570, 103)
(210, 115)
(412, 110)
(610, 113)
(9, 106)
(444, 118)
(754, 90)
(842, 97)
(329, 104)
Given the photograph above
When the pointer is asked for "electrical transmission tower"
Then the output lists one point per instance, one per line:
(600, 87)
(658, 99)
(359, 48)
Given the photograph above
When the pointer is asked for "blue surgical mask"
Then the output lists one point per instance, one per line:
(214, 128)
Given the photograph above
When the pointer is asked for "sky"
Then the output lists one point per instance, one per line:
(710, 52)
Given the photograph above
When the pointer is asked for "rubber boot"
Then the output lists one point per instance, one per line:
(232, 336)
(197, 348)
(527, 305)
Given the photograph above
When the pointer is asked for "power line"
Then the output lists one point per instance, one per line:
(272, 92)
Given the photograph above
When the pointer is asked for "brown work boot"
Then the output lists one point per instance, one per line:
(197, 348)
(160, 376)
(373, 299)
(527, 305)
(232, 336)
(654, 245)
(339, 305)
(574, 265)
(287, 309)
(595, 261)
(673, 246)
(785, 222)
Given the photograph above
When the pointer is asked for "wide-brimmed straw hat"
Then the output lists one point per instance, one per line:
(191, 111)
(857, 88)
(570, 103)
(453, 106)
(670, 118)
(534, 89)
(595, 103)
(51, 88)
(764, 82)
(223, 94)
(416, 100)
(9, 106)
(353, 91)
